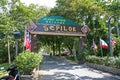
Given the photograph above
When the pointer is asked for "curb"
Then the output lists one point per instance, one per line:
(115, 72)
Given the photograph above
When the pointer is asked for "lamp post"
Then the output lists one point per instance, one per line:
(118, 28)
(109, 33)
(17, 36)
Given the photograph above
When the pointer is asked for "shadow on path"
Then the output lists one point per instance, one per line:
(53, 68)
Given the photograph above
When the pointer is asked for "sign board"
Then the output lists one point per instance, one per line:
(56, 25)
(57, 20)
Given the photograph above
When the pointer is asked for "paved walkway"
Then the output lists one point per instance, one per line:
(61, 69)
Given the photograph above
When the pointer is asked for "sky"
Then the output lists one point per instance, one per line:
(48, 3)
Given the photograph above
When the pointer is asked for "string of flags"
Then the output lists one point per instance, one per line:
(103, 44)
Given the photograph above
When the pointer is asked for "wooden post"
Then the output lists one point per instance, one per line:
(34, 43)
(74, 52)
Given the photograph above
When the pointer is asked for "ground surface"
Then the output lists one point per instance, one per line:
(53, 68)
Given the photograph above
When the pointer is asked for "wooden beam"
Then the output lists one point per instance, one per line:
(58, 34)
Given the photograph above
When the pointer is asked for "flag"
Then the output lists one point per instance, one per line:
(103, 44)
(94, 46)
(113, 42)
(27, 41)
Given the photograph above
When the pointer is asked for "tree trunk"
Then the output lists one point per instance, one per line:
(9, 57)
(81, 44)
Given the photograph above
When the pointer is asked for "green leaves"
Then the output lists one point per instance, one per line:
(27, 61)
(14, 16)
(107, 61)
(89, 11)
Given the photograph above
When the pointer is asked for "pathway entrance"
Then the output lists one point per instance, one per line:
(56, 26)
(53, 68)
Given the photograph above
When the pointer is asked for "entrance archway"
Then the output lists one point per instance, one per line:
(55, 25)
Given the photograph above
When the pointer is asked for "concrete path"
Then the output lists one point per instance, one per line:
(53, 68)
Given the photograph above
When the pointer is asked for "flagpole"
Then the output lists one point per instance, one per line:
(24, 39)
(93, 46)
(109, 33)
(101, 50)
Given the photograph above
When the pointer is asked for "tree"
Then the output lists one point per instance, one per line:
(83, 11)
(14, 16)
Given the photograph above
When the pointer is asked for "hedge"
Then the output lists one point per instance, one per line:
(107, 61)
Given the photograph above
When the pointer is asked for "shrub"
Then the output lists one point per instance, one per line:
(107, 61)
(92, 59)
(82, 55)
(117, 62)
(27, 61)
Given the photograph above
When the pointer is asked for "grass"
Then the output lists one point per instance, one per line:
(3, 68)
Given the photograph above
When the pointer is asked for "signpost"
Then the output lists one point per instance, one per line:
(56, 25)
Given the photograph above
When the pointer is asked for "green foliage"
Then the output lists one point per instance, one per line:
(70, 57)
(107, 61)
(27, 61)
(89, 11)
(17, 15)
(14, 16)
(82, 55)
(114, 7)
(85, 52)
(117, 62)
(3, 71)
(117, 47)
(77, 10)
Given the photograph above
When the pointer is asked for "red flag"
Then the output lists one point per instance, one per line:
(27, 41)
(94, 46)
(103, 44)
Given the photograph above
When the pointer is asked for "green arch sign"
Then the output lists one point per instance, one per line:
(57, 20)
(57, 25)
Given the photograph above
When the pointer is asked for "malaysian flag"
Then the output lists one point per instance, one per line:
(94, 45)
(113, 42)
(27, 41)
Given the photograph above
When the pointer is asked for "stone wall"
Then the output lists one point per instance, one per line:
(104, 68)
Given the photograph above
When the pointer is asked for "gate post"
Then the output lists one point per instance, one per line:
(34, 43)
(81, 44)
